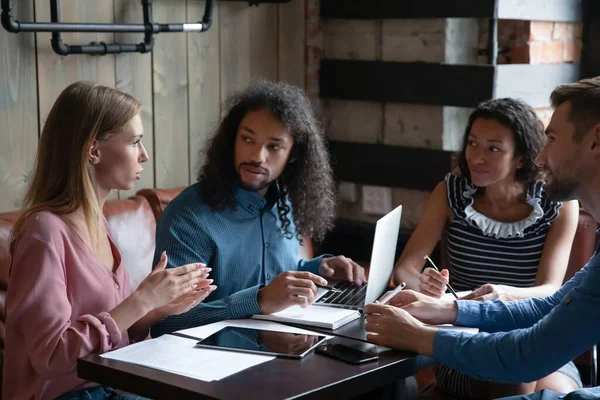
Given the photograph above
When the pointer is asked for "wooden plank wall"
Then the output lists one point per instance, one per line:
(181, 83)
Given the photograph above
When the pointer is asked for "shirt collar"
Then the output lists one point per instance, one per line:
(254, 202)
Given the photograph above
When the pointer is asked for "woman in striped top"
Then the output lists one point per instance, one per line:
(505, 238)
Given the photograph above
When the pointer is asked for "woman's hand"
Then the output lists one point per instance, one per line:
(186, 302)
(163, 286)
(433, 283)
(489, 292)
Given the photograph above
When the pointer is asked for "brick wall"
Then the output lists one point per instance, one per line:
(537, 42)
(452, 41)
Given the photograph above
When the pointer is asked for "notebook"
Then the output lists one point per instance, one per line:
(323, 317)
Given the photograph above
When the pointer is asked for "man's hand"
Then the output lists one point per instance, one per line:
(394, 327)
(488, 292)
(425, 308)
(343, 269)
(288, 289)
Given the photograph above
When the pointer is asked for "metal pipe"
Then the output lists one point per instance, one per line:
(8, 22)
(492, 47)
(149, 27)
(14, 26)
(75, 27)
(57, 43)
(148, 44)
(208, 13)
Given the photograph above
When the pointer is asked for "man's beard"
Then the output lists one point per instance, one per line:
(260, 185)
(561, 190)
(254, 188)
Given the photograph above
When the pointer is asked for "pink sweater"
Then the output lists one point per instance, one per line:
(57, 302)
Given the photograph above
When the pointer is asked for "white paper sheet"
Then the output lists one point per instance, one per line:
(178, 355)
(450, 296)
(202, 332)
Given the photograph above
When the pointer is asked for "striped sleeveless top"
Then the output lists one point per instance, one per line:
(482, 250)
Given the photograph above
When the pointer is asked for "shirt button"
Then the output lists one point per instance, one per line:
(267, 245)
(268, 276)
(116, 285)
(250, 207)
(567, 300)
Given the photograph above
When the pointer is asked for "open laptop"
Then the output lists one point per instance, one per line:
(348, 295)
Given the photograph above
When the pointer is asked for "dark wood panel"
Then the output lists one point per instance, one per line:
(376, 9)
(395, 166)
(541, 10)
(591, 44)
(409, 82)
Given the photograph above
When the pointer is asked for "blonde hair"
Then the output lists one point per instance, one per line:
(62, 182)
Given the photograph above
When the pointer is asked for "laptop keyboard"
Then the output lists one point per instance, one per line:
(351, 295)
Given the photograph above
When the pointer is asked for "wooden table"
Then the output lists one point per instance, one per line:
(313, 377)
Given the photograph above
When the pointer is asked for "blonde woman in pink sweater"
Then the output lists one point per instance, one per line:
(68, 292)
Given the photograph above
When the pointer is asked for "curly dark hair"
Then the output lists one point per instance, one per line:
(527, 129)
(307, 182)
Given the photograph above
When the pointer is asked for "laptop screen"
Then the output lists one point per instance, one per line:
(383, 255)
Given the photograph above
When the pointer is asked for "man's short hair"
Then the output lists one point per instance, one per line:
(584, 97)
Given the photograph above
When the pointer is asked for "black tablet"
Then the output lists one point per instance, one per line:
(262, 341)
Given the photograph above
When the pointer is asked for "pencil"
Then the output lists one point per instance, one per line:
(437, 269)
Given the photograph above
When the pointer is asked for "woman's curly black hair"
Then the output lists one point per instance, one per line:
(527, 129)
(307, 182)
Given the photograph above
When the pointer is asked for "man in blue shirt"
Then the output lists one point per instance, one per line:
(520, 341)
(266, 183)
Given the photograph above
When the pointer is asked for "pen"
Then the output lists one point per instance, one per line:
(389, 296)
(437, 269)
(331, 288)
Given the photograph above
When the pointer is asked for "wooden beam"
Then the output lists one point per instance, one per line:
(410, 82)
(542, 10)
(442, 84)
(378, 9)
(394, 166)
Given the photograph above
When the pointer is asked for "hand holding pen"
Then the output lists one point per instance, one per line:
(437, 269)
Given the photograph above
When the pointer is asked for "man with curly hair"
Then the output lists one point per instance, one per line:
(265, 186)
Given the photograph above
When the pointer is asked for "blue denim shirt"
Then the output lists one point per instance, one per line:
(525, 340)
(243, 244)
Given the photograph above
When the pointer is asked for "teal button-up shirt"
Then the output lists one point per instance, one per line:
(243, 244)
